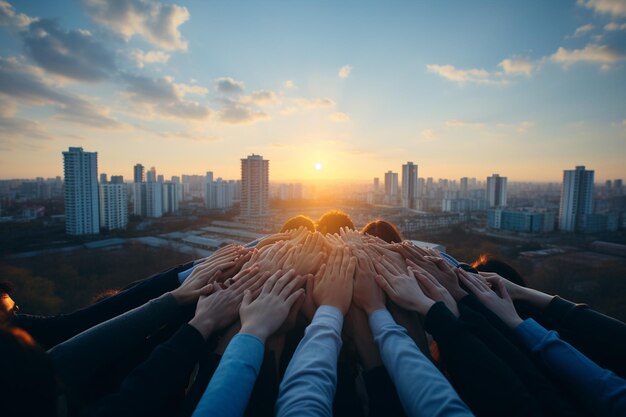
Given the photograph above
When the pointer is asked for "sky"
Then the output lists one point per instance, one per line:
(324, 90)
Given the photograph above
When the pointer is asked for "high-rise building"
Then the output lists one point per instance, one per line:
(496, 191)
(103, 178)
(170, 193)
(113, 205)
(409, 185)
(464, 185)
(82, 216)
(117, 179)
(254, 186)
(139, 175)
(391, 184)
(576, 199)
(376, 185)
(154, 195)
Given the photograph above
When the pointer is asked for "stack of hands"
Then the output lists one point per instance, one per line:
(265, 287)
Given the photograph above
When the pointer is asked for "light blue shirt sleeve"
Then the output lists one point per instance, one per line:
(601, 391)
(182, 276)
(228, 393)
(422, 389)
(308, 387)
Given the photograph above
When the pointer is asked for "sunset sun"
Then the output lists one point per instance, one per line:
(318, 166)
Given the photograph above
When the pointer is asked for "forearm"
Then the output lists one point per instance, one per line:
(229, 390)
(309, 384)
(157, 383)
(52, 330)
(483, 380)
(432, 395)
(600, 390)
(77, 358)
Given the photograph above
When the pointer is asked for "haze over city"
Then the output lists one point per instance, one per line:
(525, 89)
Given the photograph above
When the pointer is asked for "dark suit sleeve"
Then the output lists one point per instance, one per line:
(157, 386)
(485, 382)
(49, 331)
(381, 393)
(601, 338)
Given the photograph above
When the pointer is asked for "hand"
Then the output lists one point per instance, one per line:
(441, 271)
(202, 275)
(309, 256)
(434, 290)
(367, 295)
(263, 315)
(401, 287)
(270, 258)
(497, 300)
(219, 309)
(334, 283)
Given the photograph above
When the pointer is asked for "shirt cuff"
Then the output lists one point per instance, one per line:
(247, 346)
(531, 332)
(380, 318)
(328, 315)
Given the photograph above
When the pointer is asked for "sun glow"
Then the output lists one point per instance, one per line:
(318, 166)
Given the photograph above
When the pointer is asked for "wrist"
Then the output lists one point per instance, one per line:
(369, 309)
(256, 331)
(423, 307)
(512, 321)
(204, 326)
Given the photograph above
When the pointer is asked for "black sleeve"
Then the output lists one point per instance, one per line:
(157, 386)
(265, 392)
(209, 361)
(601, 338)
(551, 399)
(381, 393)
(486, 383)
(49, 331)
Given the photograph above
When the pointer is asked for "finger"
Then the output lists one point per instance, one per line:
(425, 282)
(244, 276)
(467, 280)
(247, 298)
(384, 285)
(257, 284)
(501, 290)
(269, 284)
(321, 272)
(289, 302)
(283, 281)
(293, 285)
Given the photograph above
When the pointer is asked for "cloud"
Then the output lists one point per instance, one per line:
(238, 114)
(141, 58)
(314, 104)
(73, 54)
(463, 124)
(289, 84)
(227, 85)
(260, 98)
(28, 85)
(428, 135)
(611, 27)
(478, 76)
(155, 22)
(164, 97)
(517, 66)
(344, 72)
(339, 117)
(9, 17)
(599, 54)
(12, 128)
(583, 29)
(615, 8)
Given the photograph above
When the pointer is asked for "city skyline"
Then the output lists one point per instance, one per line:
(347, 93)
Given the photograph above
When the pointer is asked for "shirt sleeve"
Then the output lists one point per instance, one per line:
(600, 390)
(422, 389)
(228, 392)
(310, 381)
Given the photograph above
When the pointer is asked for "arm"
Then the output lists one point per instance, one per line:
(157, 383)
(229, 391)
(599, 390)
(231, 385)
(603, 392)
(484, 381)
(422, 389)
(309, 384)
(49, 331)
